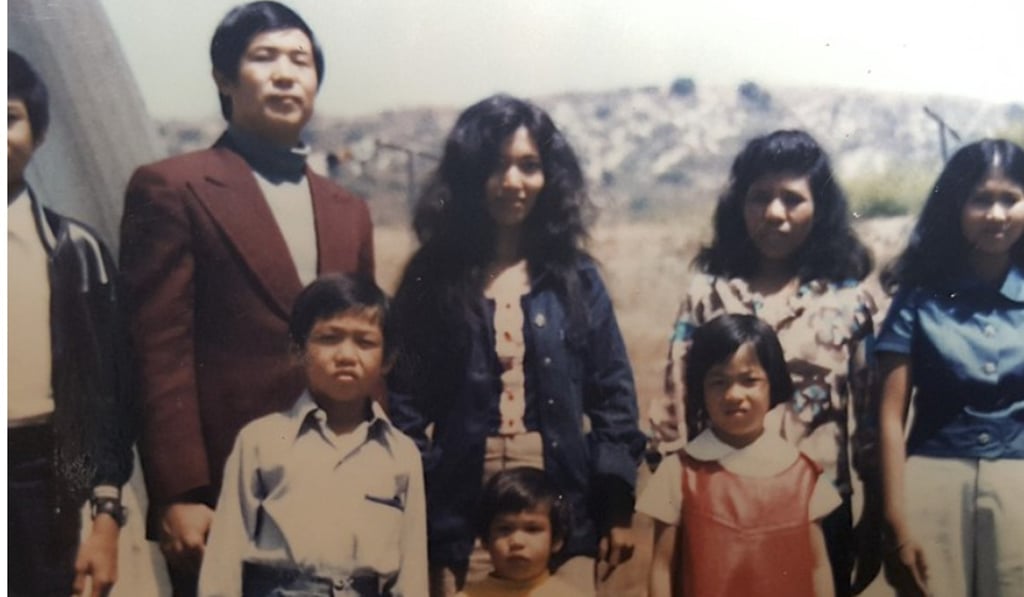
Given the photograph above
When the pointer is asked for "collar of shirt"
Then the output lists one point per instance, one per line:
(306, 414)
(275, 163)
(1012, 287)
(20, 220)
(24, 224)
(768, 455)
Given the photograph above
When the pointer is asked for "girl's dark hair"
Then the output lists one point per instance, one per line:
(23, 83)
(715, 343)
(937, 252)
(518, 489)
(442, 284)
(244, 22)
(333, 294)
(831, 252)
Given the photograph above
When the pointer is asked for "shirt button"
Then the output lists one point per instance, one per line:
(539, 320)
(984, 438)
(554, 444)
(551, 402)
(990, 330)
(546, 361)
(990, 368)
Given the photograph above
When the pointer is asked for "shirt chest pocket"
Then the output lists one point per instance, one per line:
(382, 514)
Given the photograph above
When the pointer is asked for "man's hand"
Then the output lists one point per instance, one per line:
(97, 558)
(615, 548)
(183, 530)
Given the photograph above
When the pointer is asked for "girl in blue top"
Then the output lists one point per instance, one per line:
(955, 337)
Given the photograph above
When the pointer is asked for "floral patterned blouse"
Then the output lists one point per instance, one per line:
(824, 329)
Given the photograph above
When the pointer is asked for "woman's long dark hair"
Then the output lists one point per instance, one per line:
(937, 252)
(831, 252)
(442, 284)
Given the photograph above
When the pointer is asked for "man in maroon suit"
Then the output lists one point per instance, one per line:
(215, 246)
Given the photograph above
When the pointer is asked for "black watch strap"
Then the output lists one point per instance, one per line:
(110, 506)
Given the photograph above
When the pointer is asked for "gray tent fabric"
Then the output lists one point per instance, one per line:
(100, 130)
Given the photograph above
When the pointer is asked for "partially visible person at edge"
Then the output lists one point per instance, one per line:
(508, 342)
(215, 246)
(783, 250)
(954, 339)
(70, 417)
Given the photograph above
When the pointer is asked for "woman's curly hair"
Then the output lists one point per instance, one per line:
(831, 252)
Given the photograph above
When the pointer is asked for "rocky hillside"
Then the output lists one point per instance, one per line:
(649, 151)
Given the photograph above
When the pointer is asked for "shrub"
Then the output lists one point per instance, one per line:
(682, 87)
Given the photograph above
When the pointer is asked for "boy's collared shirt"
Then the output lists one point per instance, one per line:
(299, 496)
(29, 394)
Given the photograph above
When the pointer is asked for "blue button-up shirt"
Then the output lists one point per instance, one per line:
(966, 348)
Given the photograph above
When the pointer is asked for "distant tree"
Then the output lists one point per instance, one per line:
(682, 87)
(752, 93)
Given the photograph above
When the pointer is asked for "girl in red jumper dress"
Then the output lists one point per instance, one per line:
(737, 512)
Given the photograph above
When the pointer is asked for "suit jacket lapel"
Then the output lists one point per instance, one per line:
(332, 243)
(232, 197)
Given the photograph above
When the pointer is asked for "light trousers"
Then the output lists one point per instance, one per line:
(968, 516)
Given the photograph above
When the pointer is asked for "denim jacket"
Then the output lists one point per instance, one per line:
(568, 380)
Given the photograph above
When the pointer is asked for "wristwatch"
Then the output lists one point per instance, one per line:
(107, 500)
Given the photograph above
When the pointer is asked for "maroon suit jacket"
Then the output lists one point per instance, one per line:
(210, 285)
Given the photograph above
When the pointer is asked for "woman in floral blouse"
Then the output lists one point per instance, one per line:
(783, 250)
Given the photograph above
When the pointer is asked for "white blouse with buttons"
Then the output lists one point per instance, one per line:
(507, 289)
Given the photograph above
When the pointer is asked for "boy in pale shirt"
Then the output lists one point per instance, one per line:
(325, 498)
(523, 525)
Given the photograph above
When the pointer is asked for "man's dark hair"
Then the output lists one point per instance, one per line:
(235, 33)
(24, 84)
(334, 294)
(519, 489)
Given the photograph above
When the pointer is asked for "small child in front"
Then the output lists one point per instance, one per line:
(523, 524)
(740, 506)
(325, 498)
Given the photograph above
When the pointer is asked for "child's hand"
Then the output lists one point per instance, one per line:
(183, 531)
(97, 558)
(616, 548)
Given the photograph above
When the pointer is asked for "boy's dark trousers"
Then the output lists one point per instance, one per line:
(42, 529)
(261, 580)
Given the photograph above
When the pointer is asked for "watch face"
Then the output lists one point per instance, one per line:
(110, 506)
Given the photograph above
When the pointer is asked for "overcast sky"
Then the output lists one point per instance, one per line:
(385, 54)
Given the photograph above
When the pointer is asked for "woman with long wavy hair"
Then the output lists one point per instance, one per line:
(509, 351)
